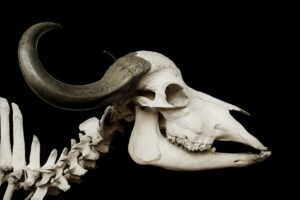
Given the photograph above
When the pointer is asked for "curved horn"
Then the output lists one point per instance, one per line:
(119, 80)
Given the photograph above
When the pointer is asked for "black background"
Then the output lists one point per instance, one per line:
(231, 54)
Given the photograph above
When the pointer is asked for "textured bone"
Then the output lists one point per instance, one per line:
(6, 156)
(18, 155)
(53, 176)
(172, 157)
(39, 193)
(34, 158)
(144, 149)
(11, 187)
(72, 160)
(5, 147)
(32, 169)
(59, 181)
(191, 119)
(91, 128)
(12, 183)
(46, 172)
(51, 159)
(84, 146)
(46, 175)
(108, 125)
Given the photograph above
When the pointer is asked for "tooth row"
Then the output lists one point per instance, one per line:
(54, 174)
(190, 146)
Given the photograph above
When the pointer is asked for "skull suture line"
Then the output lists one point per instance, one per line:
(175, 126)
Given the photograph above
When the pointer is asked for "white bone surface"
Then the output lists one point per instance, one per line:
(191, 121)
(5, 148)
(175, 128)
(54, 174)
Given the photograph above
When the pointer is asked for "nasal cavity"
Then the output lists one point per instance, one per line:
(176, 96)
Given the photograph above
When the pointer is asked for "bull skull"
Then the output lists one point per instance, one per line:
(175, 125)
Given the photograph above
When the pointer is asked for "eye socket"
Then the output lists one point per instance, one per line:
(175, 95)
(146, 93)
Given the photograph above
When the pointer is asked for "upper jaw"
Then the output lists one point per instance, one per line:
(199, 146)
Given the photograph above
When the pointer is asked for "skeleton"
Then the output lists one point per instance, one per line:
(174, 126)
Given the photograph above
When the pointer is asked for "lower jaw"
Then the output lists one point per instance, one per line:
(176, 158)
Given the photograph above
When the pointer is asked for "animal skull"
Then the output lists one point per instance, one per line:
(175, 126)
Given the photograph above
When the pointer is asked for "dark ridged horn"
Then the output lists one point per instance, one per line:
(118, 81)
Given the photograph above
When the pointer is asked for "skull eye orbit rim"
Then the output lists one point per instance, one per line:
(176, 96)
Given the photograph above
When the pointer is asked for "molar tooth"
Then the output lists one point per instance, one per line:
(188, 145)
(208, 146)
(179, 140)
(169, 138)
(202, 147)
(185, 145)
(184, 142)
(192, 147)
(173, 139)
(197, 145)
(205, 147)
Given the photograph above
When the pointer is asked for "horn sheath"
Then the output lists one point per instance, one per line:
(118, 81)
